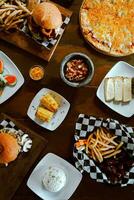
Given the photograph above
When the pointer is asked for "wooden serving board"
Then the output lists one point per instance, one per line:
(12, 175)
(22, 41)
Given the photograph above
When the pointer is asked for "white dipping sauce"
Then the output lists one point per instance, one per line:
(54, 179)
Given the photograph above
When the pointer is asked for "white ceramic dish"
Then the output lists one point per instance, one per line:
(10, 68)
(58, 117)
(73, 178)
(119, 69)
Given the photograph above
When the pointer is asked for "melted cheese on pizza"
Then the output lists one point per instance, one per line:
(111, 22)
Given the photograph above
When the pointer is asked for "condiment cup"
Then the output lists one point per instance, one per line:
(86, 59)
(36, 76)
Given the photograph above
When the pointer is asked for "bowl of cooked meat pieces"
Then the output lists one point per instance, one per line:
(77, 69)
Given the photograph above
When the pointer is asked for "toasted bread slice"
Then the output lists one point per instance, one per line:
(109, 89)
(118, 88)
(127, 89)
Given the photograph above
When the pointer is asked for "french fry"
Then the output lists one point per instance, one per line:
(105, 145)
(12, 15)
(8, 6)
(110, 140)
(119, 145)
(14, 23)
(21, 6)
(107, 152)
(99, 135)
(104, 149)
(93, 155)
(113, 154)
(98, 154)
(97, 138)
(90, 136)
(8, 12)
(5, 10)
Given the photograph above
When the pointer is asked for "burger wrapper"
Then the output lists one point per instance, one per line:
(48, 43)
(23, 138)
(84, 126)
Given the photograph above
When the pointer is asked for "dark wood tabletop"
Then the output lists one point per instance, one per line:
(82, 100)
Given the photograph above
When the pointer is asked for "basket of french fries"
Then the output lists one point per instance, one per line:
(104, 148)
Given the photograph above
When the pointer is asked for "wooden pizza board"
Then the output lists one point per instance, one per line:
(22, 41)
(12, 175)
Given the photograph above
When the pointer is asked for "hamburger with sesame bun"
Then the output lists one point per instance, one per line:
(9, 148)
(46, 19)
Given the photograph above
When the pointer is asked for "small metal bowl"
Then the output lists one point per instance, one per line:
(89, 63)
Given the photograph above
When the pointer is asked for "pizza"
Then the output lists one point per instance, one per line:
(108, 25)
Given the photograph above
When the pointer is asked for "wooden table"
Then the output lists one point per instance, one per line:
(83, 100)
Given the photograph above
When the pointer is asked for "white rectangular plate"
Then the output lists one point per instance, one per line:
(10, 68)
(58, 117)
(72, 174)
(119, 69)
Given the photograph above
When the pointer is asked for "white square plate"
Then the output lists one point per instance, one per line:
(58, 117)
(10, 68)
(119, 69)
(73, 178)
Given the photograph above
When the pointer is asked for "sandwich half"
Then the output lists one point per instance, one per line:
(118, 88)
(127, 89)
(109, 89)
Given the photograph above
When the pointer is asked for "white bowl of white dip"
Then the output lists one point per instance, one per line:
(54, 179)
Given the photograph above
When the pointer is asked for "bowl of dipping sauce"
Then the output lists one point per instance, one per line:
(77, 69)
(36, 72)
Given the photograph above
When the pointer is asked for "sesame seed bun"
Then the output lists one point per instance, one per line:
(47, 15)
(9, 148)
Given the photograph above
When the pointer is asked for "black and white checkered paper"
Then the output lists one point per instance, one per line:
(48, 43)
(24, 140)
(84, 126)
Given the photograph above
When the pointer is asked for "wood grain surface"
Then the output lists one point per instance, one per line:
(12, 175)
(82, 100)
